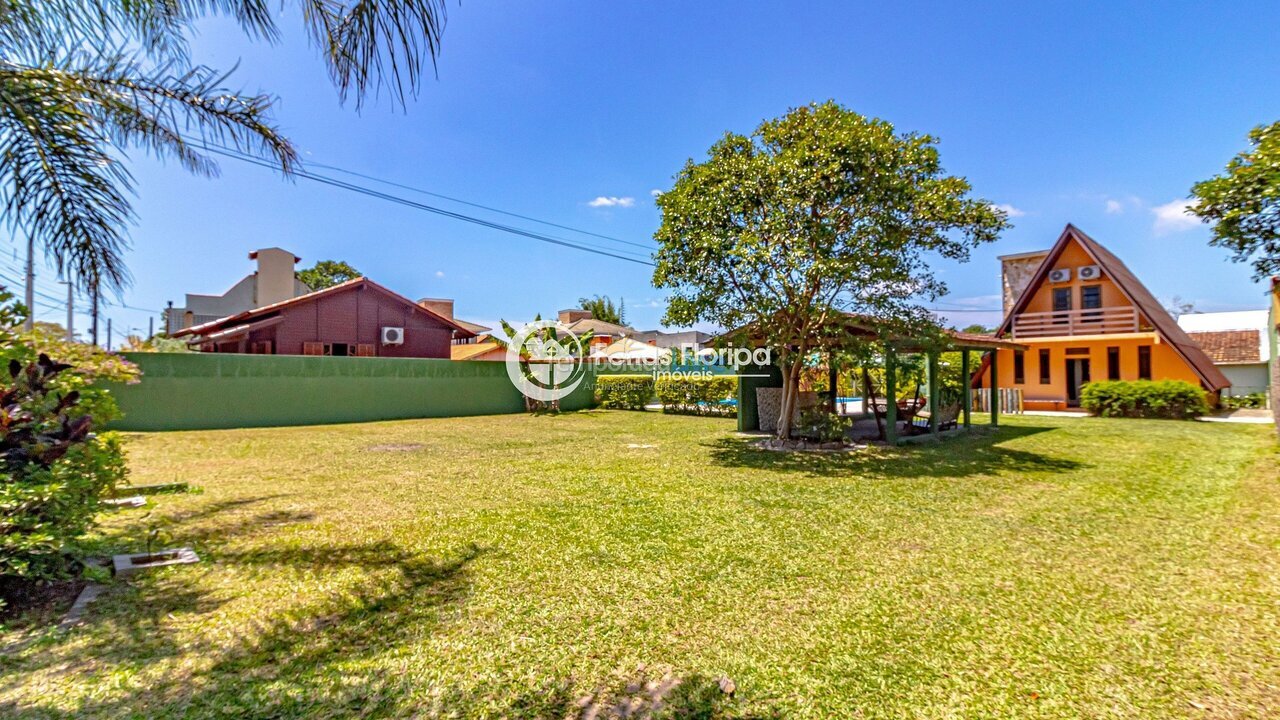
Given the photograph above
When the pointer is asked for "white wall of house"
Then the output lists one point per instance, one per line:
(1246, 379)
(274, 281)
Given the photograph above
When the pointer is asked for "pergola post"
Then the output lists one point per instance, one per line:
(833, 380)
(890, 397)
(967, 401)
(995, 389)
(932, 355)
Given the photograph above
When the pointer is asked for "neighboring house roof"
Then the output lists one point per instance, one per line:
(1231, 347)
(1216, 322)
(244, 317)
(470, 351)
(1137, 293)
(474, 328)
(674, 339)
(599, 327)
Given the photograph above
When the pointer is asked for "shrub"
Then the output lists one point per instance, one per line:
(1171, 399)
(822, 425)
(1252, 400)
(697, 395)
(53, 468)
(624, 392)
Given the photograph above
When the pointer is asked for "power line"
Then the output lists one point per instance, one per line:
(468, 203)
(360, 189)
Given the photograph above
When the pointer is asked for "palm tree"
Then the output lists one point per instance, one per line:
(82, 82)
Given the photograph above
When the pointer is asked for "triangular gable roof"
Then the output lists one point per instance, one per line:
(1133, 289)
(312, 297)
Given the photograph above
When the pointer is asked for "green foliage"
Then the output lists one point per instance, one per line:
(157, 343)
(696, 395)
(54, 468)
(602, 308)
(1250, 401)
(83, 84)
(976, 329)
(822, 425)
(1167, 399)
(820, 212)
(624, 392)
(1244, 203)
(327, 273)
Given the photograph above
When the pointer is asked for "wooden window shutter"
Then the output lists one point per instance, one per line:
(364, 350)
(312, 348)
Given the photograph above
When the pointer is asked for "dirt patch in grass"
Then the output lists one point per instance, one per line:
(396, 447)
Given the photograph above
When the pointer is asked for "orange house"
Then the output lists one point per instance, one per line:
(1085, 316)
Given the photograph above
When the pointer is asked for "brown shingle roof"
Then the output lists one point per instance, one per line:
(1230, 346)
(1138, 294)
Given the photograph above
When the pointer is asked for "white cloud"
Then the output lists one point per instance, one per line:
(605, 201)
(1009, 210)
(1114, 207)
(1174, 217)
(439, 273)
(655, 192)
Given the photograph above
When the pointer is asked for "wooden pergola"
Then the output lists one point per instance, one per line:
(850, 326)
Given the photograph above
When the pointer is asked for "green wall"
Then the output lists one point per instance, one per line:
(200, 391)
(748, 418)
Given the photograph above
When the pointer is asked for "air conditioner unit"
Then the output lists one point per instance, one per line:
(392, 336)
(1060, 275)
(1089, 272)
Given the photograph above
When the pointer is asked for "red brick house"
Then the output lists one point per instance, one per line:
(358, 317)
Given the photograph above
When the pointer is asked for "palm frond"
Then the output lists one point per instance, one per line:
(376, 44)
(62, 128)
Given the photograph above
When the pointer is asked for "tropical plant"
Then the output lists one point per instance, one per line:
(818, 213)
(602, 308)
(327, 273)
(84, 81)
(576, 346)
(1244, 203)
(53, 468)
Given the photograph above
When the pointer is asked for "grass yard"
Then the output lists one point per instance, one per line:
(519, 566)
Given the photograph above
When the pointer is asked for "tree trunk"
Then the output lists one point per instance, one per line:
(790, 394)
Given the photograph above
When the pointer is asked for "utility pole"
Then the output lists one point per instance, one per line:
(30, 300)
(71, 311)
(93, 296)
(108, 334)
(151, 327)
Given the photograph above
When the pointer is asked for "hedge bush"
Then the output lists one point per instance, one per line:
(697, 395)
(1170, 399)
(624, 392)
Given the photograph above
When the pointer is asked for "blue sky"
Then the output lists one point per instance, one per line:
(1097, 114)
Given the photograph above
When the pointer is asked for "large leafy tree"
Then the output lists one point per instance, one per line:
(327, 273)
(1244, 203)
(82, 82)
(603, 308)
(819, 212)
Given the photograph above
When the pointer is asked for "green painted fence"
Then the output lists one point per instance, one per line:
(201, 391)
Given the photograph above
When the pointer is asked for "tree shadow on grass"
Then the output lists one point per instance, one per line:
(288, 666)
(979, 453)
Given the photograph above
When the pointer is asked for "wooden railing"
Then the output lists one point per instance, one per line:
(1010, 400)
(1099, 321)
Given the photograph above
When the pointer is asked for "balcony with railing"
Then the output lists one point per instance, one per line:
(1093, 321)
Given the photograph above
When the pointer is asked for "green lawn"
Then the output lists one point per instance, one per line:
(524, 566)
